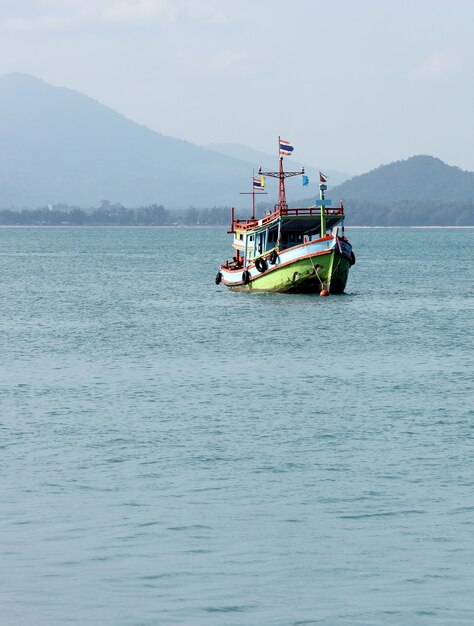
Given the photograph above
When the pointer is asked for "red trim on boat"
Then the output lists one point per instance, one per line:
(304, 212)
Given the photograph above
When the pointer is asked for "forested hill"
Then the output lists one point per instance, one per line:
(419, 191)
(419, 178)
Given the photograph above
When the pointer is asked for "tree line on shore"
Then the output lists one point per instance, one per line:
(358, 213)
(109, 214)
(410, 213)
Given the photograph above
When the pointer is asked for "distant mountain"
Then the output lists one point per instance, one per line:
(270, 162)
(59, 146)
(419, 178)
(419, 191)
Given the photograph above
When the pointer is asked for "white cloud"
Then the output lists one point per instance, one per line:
(71, 5)
(206, 10)
(45, 22)
(131, 10)
(46, 14)
(31, 15)
(438, 66)
(227, 60)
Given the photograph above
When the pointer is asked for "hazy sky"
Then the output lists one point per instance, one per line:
(352, 83)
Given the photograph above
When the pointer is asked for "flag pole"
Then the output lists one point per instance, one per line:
(253, 195)
(322, 189)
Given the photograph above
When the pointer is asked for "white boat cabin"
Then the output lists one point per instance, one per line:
(254, 238)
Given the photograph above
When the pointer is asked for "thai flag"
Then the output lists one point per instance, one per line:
(285, 147)
(258, 183)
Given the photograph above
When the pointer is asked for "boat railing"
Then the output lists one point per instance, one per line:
(312, 211)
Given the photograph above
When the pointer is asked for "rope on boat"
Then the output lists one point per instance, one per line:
(316, 271)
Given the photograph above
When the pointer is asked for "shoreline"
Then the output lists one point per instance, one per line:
(197, 226)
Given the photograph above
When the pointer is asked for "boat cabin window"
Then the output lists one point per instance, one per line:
(272, 235)
(292, 239)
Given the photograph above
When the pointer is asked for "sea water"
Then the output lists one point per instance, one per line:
(175, 453)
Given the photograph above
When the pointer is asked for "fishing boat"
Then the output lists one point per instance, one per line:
(295, 250)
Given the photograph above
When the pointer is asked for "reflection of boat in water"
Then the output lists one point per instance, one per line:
(290, 249)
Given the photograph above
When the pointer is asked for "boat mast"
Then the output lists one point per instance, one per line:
(281, 175)
(253, 201)
(322, 189)
(281, 188)
(253, 193)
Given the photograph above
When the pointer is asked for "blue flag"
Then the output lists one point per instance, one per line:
(305, 181)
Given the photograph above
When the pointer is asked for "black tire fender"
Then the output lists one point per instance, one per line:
(272, 259)
(246, 277)
(218, 278)
(261, 264)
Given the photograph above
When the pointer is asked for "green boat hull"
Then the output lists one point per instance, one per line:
(311, 274)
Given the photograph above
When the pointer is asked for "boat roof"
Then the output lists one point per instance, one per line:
(295, 219)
